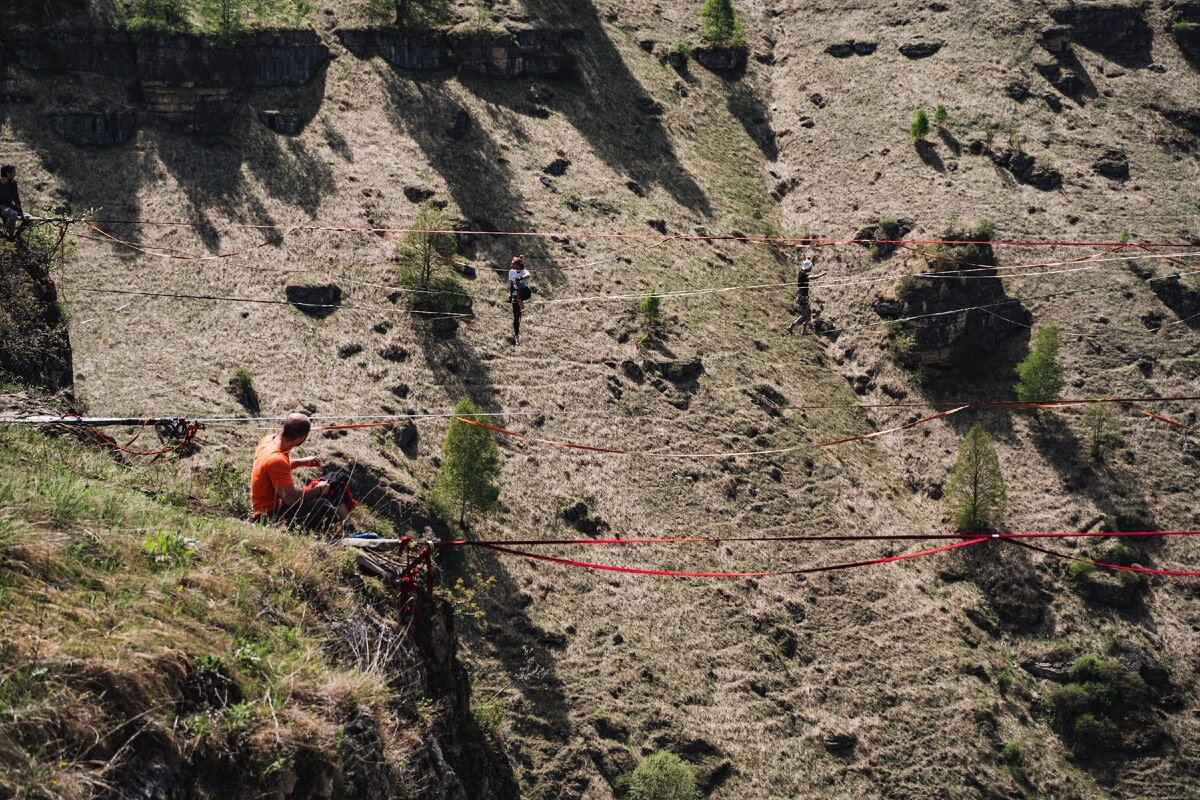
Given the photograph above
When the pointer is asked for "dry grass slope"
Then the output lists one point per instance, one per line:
(869, 683)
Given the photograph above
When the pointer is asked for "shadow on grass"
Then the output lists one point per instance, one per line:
(461, 149)
(602, 107)
(514, 640)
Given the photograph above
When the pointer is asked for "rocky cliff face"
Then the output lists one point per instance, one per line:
(35, 346)
(946, 336)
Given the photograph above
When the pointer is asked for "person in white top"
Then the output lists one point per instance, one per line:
(518, 293)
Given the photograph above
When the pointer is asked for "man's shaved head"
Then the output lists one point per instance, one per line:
(296, 427)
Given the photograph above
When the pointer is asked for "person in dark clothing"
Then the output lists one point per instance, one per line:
(10, 201)
(802, 279)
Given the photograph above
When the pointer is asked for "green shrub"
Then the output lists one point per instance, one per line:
(663, 776)
(1092, 729)
(1040, 376)
(719, 23)
(940, 115)
(1004, 680)
(900, 342)
(167, 549)
(958, 257)
(1100, 427)
(975, 490)
(1183, 27)
(155, 17)
(1080, 571)
(488, 717)
(919, 128)
(651, 309)
(1094, 706)
(910, 286)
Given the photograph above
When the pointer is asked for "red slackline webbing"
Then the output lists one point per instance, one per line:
(764, 574)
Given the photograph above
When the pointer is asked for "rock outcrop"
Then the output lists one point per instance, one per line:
(511, 55)
(960, 321)
(716, 58)
(1118, 31)
(94, 128)
(401, 49)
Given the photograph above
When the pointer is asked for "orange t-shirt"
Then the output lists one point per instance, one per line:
(272, 470)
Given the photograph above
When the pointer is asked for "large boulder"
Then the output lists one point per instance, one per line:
(1026, 169)
(1118, 31)
(717, 58)
(945, 337)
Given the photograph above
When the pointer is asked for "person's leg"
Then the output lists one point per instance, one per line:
(316, 514)
(517, 320)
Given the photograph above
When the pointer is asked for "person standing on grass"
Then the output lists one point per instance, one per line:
(274, 495)
(10, 201)
(518, 292)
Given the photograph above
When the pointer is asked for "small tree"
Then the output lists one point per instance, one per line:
(1101, 429)
(940, 115)
(651, 308)
(1040, 376)
(719, 23)
(975, 490)
(155, 17)
(224, 18)
(919, 128)
(663, 776)
(419, 13)
(466, 479)
(426, 257)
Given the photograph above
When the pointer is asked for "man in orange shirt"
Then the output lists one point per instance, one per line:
(273, 493)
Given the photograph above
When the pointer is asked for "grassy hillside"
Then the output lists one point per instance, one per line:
(898, 681)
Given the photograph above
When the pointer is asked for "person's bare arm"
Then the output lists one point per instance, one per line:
(309, 461)
(290, 495)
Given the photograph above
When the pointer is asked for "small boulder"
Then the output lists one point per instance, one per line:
(1057, 38)
(1057, 671)
(284, 122)
(393, 352)
(417, 194)
(557, 167)
(916, 50)
(315, 301)
(1113, 164)
(839, 743)
(720, 59)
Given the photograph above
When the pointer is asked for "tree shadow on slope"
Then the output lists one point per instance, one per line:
(523, 649)
(456, 367)
(90, 180)
(209, 171)
(749, 109)
(611, 109)
(460, 149)
(1110, 486)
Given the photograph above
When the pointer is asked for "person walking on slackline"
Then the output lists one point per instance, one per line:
(802, 297)
(518, 292)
